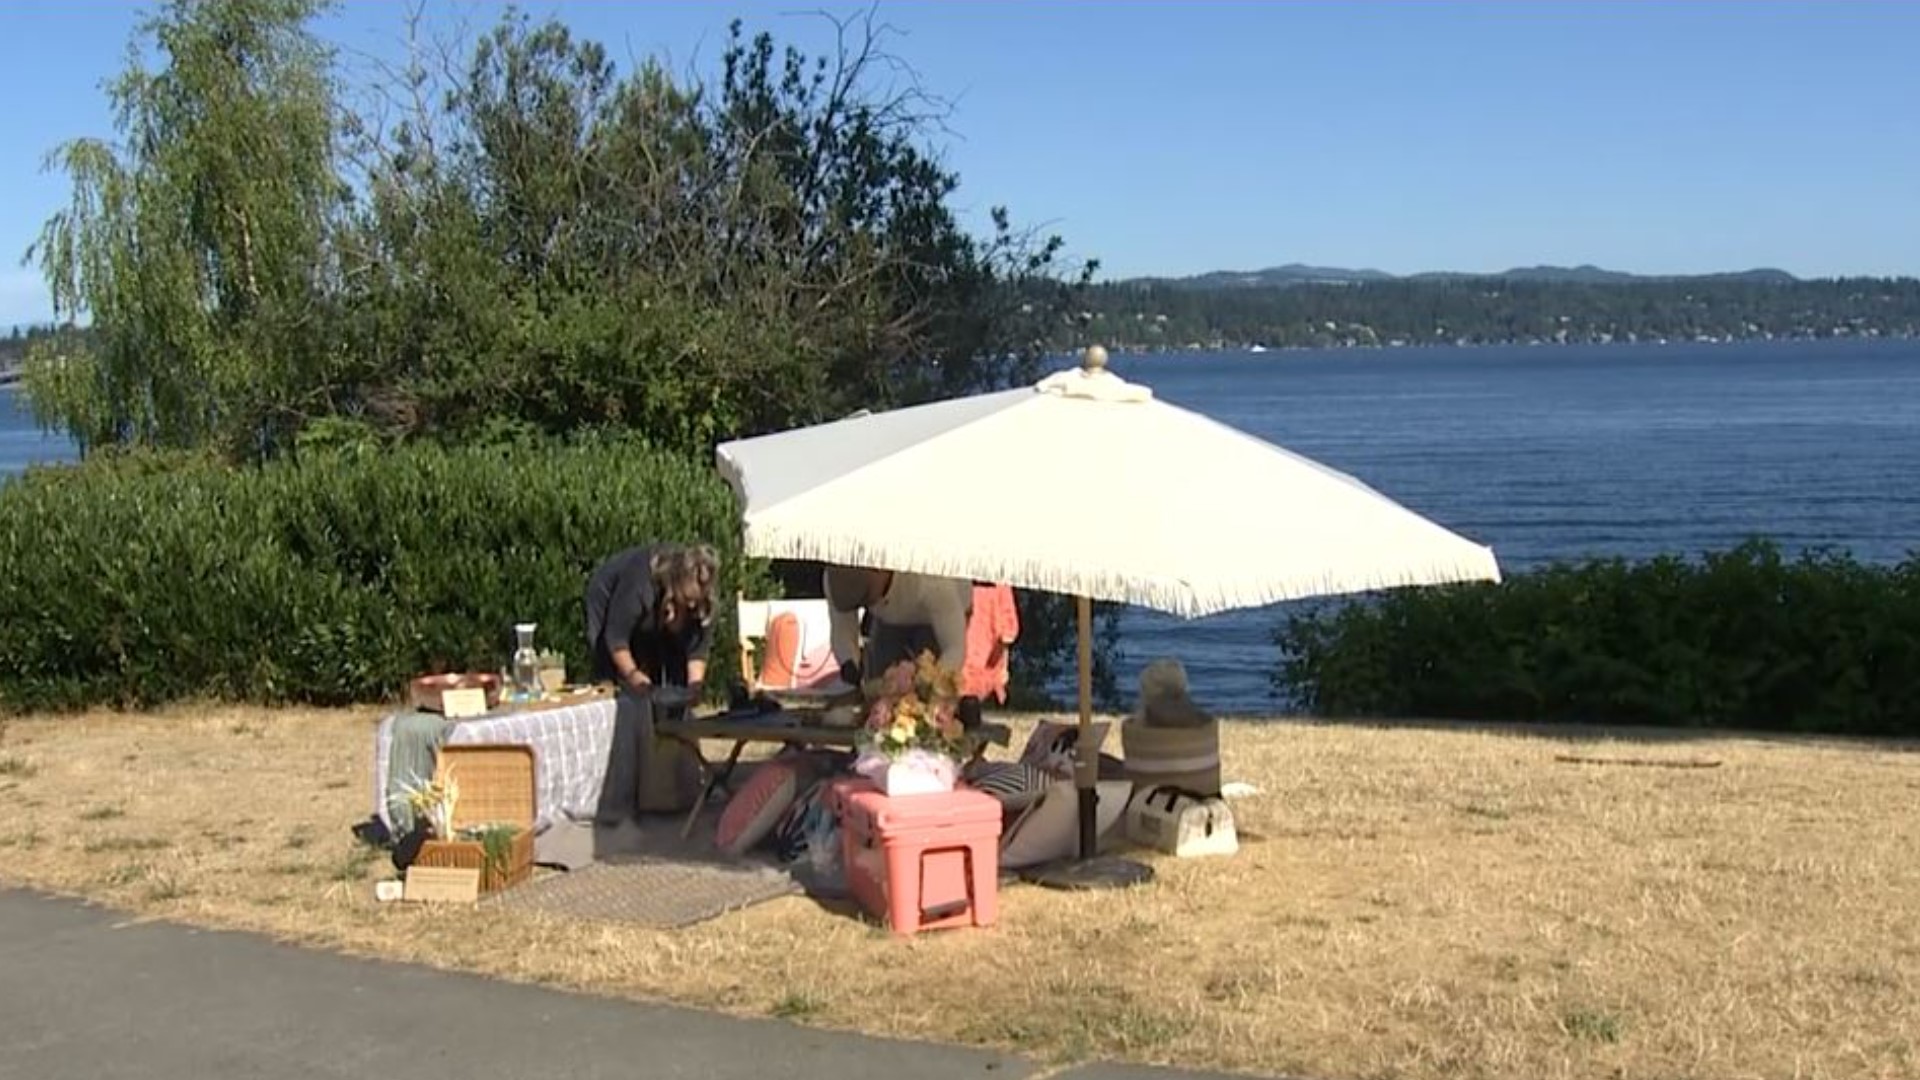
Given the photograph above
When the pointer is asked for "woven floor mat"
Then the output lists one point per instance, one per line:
(650, 892)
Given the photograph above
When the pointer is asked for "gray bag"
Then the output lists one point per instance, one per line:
(646, 773)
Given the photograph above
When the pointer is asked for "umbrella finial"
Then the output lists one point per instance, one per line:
(1094, 359)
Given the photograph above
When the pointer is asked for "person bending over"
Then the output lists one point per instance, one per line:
(909, 614)
(650, 616)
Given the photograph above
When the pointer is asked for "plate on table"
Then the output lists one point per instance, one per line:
(841, 716)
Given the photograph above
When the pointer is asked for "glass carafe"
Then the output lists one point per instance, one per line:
(526, 662)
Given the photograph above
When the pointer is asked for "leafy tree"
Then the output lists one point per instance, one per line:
(535, 240)
(196, 245)
(526, 243)
(699, 261)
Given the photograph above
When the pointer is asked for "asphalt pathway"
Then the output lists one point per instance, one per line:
(90, 993)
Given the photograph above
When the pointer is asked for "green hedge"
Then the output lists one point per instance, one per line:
(329, 579)
(1737, 639)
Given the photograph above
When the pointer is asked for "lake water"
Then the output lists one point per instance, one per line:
(1568, 452)
(1543, 453)
(21, 443)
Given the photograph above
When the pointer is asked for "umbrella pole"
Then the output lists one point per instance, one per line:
(1091, 870)
(1087, 764)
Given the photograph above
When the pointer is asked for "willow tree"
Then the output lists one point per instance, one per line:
(195, 244)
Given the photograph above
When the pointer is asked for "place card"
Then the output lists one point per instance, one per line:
(470, 701)
(443, 884)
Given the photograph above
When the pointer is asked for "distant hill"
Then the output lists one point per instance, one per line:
(1299, 274)
(1290, 274)
(1330, 307)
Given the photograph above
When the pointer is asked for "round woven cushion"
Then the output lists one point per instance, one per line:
(754, 809)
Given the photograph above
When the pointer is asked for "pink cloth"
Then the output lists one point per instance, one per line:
(993, 626)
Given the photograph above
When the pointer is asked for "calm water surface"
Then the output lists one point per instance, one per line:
(21, 443)
(1543, 453)
(1557, 453)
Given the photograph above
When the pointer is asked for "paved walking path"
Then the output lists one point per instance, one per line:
(86, 992)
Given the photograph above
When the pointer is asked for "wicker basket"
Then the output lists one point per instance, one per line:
(1184, 758)
(496, 787)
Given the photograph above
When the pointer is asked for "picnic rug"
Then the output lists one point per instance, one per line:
(648, 891)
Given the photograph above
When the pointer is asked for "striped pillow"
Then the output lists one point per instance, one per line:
(792, 834)
(1015, 783)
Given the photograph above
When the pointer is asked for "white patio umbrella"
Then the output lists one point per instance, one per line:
(1086, 485)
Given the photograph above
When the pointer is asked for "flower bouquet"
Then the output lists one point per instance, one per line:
(434, 800)
(913, 740)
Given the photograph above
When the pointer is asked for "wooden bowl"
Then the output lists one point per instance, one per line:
(426, 690)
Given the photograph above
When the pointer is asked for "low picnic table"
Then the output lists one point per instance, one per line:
(801, 726)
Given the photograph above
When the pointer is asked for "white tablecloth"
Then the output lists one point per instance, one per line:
(571, 748)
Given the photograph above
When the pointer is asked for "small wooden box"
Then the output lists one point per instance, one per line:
(496, 788)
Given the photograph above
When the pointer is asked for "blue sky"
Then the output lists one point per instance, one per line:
(1173, 138)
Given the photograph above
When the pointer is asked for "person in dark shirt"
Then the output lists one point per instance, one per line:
(650, 616)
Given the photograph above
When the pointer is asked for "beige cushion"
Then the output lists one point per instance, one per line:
(1050, 829)
(1053, 744)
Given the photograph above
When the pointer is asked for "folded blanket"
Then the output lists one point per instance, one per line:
(416, 742)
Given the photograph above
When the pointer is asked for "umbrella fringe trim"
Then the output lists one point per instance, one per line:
(1181, 599)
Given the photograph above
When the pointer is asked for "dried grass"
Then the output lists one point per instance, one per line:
(1409, 903)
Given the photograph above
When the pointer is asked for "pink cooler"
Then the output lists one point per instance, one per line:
(921, 862)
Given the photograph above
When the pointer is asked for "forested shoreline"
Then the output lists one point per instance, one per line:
(1163, 315)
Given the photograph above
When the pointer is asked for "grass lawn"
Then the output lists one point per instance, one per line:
(1408, 903)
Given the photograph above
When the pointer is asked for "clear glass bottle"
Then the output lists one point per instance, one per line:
(526, 662)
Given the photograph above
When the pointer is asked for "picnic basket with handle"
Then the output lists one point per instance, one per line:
(496, 788)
